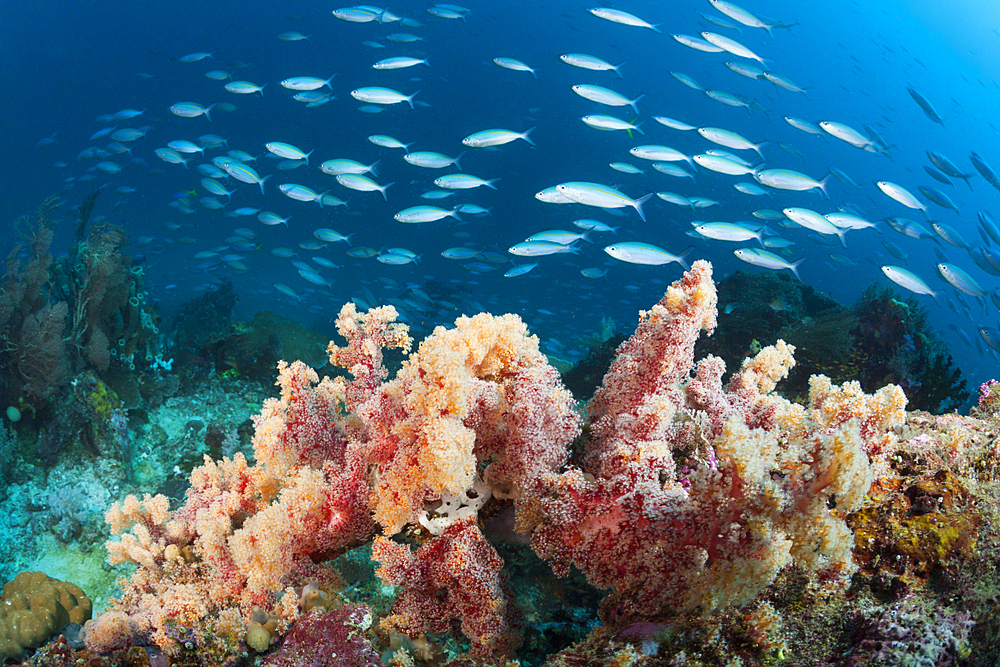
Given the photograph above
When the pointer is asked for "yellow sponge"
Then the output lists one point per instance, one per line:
(33, 606)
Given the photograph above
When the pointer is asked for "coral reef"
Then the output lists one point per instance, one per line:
(682, 471)
(682, 496)
(87, 310)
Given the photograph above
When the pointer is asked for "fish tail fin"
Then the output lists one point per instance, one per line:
(822, 188)
(410, 98)
(842, 233)
(490, 183)
(261, 91)
(656, 27)
(372, 168)
(617, 70)
(638, 205)
(454, 213)
(208, 110)
(533, 74)
(527, 135)
(682, 258)
(319, 198)
(457, 159)
(634, 102)
(759, 146)
(384, 188)
(327, 82)
(308, 154)
(261, 183)
(637, 127)
(794, 268)
(285, 222)
(347, 239)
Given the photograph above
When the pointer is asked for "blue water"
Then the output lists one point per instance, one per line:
(65, 64)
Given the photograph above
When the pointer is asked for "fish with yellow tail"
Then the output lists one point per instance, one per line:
(601, 196)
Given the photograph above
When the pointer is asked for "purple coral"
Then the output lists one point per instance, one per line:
(989, 398)
(335, 639)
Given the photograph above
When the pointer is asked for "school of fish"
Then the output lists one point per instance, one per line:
(654, 172)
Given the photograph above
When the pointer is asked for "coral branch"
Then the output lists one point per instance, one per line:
(454, 576)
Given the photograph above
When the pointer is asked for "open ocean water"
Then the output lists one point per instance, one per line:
(68, 64)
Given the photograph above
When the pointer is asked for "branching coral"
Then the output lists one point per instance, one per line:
(689, 495)
(755, 496)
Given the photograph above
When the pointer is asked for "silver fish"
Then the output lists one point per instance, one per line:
(644, 253)
(767, 260)
(618, 16)
(601, 196)
(908, 280)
